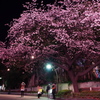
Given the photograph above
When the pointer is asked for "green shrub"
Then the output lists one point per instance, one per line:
(63, 93)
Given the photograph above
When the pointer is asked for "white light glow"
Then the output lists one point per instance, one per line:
(48, 66)
(32, 57)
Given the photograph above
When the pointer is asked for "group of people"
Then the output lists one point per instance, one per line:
(51, 90)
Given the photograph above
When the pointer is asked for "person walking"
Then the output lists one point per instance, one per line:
(40, 91)
(22, 89)
(53, 91)
(47, 90)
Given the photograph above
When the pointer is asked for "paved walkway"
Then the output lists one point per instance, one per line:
(29, 96)
(75, 99)
(18, 97)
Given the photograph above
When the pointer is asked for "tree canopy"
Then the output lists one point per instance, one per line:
(67, 33)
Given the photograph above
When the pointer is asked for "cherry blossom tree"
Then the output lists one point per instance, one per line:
(2, 50)
(68, 33)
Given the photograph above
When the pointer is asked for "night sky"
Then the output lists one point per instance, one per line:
(10, 9)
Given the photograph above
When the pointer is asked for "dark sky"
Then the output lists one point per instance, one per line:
(10, 9)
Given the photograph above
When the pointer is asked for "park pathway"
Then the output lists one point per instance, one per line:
(76, 99)
(30, 97)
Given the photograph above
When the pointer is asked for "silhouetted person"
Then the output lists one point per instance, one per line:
(22, 89)
(47, 90)
(53, 91)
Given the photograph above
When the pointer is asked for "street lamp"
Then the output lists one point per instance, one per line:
(0, 82)
(32, 57)
(8, 81)
(49, 66)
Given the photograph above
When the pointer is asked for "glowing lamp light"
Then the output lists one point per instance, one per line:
(48, 66)
(0, 78)
(32, 57)
(8, 69)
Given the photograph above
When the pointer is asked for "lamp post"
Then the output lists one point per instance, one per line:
(0, 83)
(0, 80)
(8, 70)
(49, 66)
(32, 57)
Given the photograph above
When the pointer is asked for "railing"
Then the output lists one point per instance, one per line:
(90, 89)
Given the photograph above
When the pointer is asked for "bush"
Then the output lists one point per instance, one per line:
(88, 94)
(63, 93)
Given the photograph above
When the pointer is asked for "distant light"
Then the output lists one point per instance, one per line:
(93, 63)
(23, 72)
(8, 69)
(48, 66)
(32, 57)
(0, 78)
(0, 87)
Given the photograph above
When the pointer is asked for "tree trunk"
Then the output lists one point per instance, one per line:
(32, 81)
(74, 81)
(75, 85)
